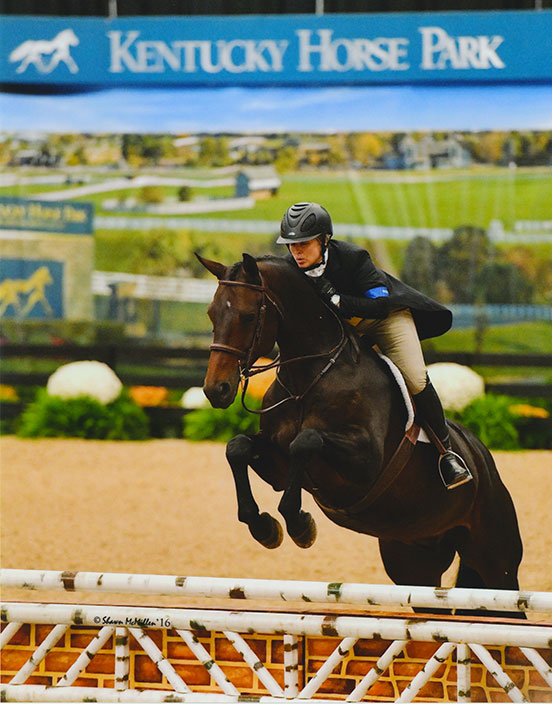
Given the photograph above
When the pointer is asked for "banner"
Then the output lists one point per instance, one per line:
(63, 217)
(286, 50)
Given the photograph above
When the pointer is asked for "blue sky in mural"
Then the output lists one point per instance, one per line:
(392, 108)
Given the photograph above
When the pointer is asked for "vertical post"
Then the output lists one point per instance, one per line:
(463, 673)
(122, 659)
(319, 10)
(291, 666)
(112, 9)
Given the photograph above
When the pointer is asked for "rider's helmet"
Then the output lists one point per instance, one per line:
(303, 222)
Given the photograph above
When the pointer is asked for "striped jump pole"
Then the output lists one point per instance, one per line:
(281, 590)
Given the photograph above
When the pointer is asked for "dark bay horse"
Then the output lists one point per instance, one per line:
(332, 421)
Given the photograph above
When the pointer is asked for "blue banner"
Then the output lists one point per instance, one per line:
(31, 289)
(65, 217)
(283, 50)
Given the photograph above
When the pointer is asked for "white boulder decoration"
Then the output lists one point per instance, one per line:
(456, 384)
(87, 378)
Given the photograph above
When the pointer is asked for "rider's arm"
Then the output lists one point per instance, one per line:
(367, 306)
(371, 295)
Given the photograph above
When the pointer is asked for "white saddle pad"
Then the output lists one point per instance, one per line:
(406, 396)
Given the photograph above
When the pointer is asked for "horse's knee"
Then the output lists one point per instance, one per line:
(238, 448)
(308, 442)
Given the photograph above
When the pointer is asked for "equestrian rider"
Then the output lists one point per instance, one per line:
(395, 316)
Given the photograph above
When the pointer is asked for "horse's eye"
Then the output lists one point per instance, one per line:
(247, 317)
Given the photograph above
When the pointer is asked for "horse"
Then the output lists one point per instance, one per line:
(333, 424)
(33, 287)
(32, 51)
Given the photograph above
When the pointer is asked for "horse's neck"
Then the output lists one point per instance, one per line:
(307, 326)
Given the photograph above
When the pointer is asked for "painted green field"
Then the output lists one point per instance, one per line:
(413, 199)
(416, 200)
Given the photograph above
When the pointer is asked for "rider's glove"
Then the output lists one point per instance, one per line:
(327, 291)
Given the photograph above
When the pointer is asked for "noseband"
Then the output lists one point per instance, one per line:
(248, 370)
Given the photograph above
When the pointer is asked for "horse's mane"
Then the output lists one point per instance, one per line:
(287, 267)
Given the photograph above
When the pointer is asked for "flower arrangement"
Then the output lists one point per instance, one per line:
(8, 393)
(87, 378)
(526, 410)
(149, 395)
(456, 384)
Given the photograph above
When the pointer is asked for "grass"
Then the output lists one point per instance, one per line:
(514, 338)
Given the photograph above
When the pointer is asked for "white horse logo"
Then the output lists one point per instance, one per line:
(33, 52)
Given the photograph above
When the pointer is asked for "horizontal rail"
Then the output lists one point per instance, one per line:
(407, 629)
(490, 359)
(280, 590)
(178, 379)
(143, 353)
(40, 693)
(118, 352)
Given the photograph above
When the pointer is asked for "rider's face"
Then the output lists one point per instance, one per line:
(306, 253)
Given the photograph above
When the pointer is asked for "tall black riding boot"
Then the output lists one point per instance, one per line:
(452, 467)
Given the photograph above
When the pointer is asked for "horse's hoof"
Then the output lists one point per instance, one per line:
(267, 531)
(305, 536)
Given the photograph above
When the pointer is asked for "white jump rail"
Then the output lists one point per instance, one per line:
(280, 590)
(406, 629)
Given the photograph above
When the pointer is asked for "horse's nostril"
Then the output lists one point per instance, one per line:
(224, 388)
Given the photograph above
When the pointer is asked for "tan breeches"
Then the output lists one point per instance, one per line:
(397, 338)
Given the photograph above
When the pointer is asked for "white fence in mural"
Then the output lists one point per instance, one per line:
(523, 233)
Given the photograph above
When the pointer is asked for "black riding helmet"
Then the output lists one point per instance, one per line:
(303, 222)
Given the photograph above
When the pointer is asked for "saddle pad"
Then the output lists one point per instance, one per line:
(395, 371)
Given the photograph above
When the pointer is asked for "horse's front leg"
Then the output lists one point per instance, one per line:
(240, 452)
(300, 524)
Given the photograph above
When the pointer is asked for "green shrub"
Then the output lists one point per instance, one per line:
(491, 419)
(83, 417)
(222, 423)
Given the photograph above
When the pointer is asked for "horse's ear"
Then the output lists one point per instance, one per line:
(251, 269)
(216, 268)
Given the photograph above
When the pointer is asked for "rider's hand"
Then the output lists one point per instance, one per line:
(327, 291)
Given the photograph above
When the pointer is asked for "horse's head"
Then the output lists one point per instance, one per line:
(244, 321)
(67, 38)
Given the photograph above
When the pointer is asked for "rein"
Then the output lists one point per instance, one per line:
(247, 369)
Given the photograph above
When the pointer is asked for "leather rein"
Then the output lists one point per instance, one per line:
(247, 369)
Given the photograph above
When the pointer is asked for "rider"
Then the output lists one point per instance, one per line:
(395, 316)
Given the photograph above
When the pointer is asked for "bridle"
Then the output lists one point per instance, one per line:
(247, 369)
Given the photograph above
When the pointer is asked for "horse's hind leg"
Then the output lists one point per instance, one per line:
(492, 561)
(241, 451)
(417, 564)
